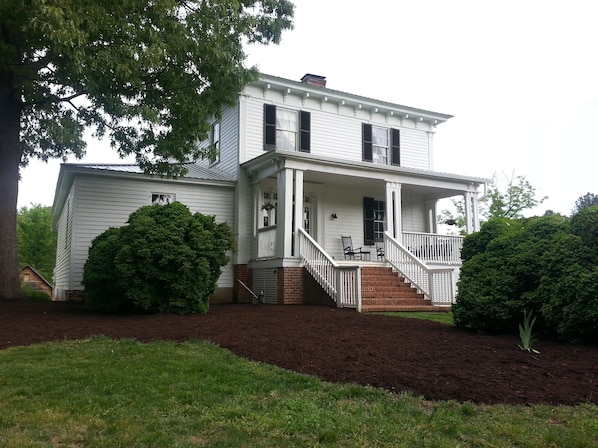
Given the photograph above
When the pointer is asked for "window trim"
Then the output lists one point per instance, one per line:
(215, 141)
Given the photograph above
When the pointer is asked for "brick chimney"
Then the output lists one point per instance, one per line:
(314, 80)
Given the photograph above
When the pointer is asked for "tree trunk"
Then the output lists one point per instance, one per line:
(10, 157)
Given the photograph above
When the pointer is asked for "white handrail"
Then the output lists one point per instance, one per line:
(342, 283)
(435, 284)
(433, 248)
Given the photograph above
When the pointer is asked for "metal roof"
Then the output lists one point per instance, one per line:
(194, 171)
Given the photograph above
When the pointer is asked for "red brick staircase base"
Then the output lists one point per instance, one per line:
(382, 289)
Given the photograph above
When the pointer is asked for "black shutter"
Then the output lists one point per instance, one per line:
(368, 221)
(395, 142)
(366, 131)
(304, 131)
(269, 127)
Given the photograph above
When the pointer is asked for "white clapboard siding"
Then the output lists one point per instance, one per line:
(229, 142)
(347, 203)
(63, 247)
(336, 131)
(102, 202)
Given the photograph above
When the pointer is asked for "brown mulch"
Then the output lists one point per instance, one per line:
(436, 361)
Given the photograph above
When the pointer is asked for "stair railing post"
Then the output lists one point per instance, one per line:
(431, 290)
(358, 288)
(340, 289)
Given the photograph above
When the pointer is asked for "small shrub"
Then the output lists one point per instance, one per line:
(34, 294)
(526, 332)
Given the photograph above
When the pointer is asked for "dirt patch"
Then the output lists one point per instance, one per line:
(433, 360)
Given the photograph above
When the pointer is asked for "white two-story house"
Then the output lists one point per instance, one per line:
(297, 167)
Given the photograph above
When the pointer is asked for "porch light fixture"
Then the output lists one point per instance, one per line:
(333, 216)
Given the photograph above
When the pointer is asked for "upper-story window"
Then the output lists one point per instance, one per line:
(286, 129)
(215, 150)
(381, 145)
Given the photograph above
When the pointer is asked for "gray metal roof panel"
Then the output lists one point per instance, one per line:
(194, 171)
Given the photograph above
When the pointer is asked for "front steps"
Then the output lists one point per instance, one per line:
(382, 289)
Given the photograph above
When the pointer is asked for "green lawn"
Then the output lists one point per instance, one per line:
(444, 317)
(104, 393)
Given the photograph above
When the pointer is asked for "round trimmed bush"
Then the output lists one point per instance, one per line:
(166, 259)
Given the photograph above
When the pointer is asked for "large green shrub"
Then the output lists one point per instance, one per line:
(585, 224)
(568, 291)
(165, 259)
(502, 269)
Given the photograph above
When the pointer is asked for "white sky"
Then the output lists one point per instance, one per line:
(520, 77)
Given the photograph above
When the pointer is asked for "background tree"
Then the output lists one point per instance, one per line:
(148, 75)
(36, 241)
(519, 196)
(588, 200)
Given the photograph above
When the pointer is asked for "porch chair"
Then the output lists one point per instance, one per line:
(352, 253)
(380, 250)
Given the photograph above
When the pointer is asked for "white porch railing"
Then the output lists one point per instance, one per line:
(342, 283)
(266, 242)
(434, 249)
(435, 284)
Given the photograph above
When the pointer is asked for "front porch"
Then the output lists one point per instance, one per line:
(399, 281)
(298, 207)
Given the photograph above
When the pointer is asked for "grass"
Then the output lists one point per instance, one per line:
(444, 317)
(104, 393)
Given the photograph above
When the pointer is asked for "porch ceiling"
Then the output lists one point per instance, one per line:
(328, 171)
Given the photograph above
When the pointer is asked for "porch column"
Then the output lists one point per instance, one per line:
(257, 197)
(394, 223)
(284, 228)
(298, 209)
(472, 218)
(475, 211)
(432, 218)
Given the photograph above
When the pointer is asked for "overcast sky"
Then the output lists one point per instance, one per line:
(519, 76)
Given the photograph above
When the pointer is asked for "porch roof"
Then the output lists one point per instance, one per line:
(318, 169)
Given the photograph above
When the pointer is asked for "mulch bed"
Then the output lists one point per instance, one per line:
(436, 361)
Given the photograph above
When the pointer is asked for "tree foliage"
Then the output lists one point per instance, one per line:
(587, 200)
(520, 195)
(165, 259)
(36, 241)
(148, 75)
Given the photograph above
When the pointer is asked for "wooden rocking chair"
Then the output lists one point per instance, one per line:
(352, 253)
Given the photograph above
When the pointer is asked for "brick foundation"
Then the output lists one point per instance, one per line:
(290, 286)
(240, 294)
